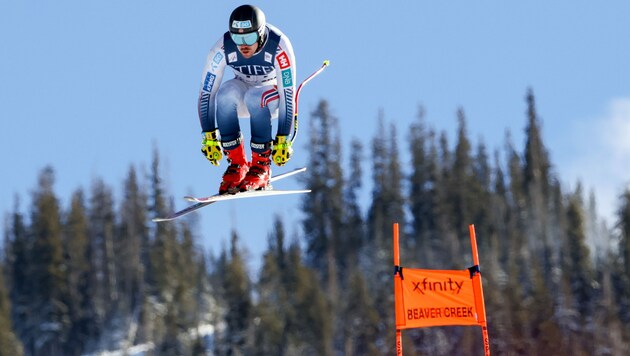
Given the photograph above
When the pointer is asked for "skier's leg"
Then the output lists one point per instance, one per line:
(261, 103)
(230, 105)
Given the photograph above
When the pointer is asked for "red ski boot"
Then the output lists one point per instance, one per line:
(236, 171)
(259, 172)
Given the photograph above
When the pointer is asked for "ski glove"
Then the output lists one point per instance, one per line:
(282, 150)
(211, 147)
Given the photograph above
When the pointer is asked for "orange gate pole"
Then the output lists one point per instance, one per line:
(397, 282)
(478, 290)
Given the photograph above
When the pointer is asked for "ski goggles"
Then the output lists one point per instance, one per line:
(246, 39)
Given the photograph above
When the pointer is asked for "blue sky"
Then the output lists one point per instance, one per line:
(90, 87)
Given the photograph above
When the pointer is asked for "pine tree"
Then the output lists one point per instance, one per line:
(312, 325)
(163, 241)
(422, 194)
(386, 209)
(500, 214)
(481, 200)
(537, 184)
(449, 244)
(76, 256)
(132, 243)
(578, 278)
(387, 198)
(377, 219)
(292, 313)
(394, 188)
(354, 308)
(360, 318)
(609, 329)
(48, 326)
(598, 236)
(323, 206)
(545, 332)
(326, 243)
(102, 282)
(537, 166)
(622, 277)
(494, 256)
(236, 294)
(181, 306)
(274, 308)
(460, 185)
(578, 267)
(19, 245)
(517, 255)
(171, 271)
(9, 343)
(435, 210)
(185, 305)
(352, 239)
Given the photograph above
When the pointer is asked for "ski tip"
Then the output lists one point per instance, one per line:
(326, 62)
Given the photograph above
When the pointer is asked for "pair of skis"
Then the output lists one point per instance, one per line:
(201, 202)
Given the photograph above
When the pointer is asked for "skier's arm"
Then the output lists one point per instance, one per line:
(210, 82)
(285, 69)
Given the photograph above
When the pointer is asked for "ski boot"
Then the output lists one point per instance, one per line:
(236, 171)
(259, 172)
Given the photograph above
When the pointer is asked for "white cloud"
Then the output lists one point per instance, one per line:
(600, 155)
(614, 135)
(616, 129)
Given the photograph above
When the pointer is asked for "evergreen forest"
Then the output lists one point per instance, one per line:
(98, 275)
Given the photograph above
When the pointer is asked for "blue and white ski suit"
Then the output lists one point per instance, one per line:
(263, 87)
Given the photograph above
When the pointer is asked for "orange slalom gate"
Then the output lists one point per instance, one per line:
(425, 298)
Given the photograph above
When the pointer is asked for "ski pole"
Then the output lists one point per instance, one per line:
(297, 97)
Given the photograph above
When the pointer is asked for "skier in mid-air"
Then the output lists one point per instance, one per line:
(263, 62)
